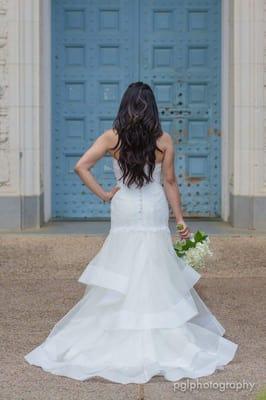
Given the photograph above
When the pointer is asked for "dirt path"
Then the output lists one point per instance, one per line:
(39, 285)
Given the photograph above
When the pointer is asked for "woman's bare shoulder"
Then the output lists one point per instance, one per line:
(112, 138)
(164, 140)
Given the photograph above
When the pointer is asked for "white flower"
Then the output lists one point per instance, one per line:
(195, 256)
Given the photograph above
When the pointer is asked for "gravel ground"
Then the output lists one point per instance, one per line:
(39, 285)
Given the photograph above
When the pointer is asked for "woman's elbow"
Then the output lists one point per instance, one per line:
(77, 168)
(82, 167)
(171, 181)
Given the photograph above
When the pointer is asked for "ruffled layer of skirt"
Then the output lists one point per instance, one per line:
(140, 316)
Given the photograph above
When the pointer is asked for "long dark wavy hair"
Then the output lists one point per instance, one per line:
(138, 127)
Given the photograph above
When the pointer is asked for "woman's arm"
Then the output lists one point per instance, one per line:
(170, 184)
(98, 149)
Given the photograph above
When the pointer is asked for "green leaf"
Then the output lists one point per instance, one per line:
(200, 236)
(191, 244)
(179, 245)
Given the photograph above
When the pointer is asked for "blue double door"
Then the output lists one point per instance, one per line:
(99, 47)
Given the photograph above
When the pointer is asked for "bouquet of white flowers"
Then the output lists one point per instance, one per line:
(194, 250)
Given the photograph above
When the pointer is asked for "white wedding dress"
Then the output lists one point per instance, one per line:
(139, 315)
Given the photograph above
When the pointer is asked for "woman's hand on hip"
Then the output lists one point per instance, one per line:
(109, 195)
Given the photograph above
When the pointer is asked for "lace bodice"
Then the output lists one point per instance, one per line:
(156, 173)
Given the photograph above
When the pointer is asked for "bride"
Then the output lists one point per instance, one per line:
(140, 315)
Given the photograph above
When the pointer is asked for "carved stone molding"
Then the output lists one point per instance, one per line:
(4, 129)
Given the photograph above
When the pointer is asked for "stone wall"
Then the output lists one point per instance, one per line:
(247, 112)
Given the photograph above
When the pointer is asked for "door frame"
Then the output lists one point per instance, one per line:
(46, 75)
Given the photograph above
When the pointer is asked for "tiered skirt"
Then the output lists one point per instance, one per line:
(139, 316)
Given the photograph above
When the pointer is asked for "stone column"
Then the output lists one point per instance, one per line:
(21, 142)
(9, 141)
(247, 140)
